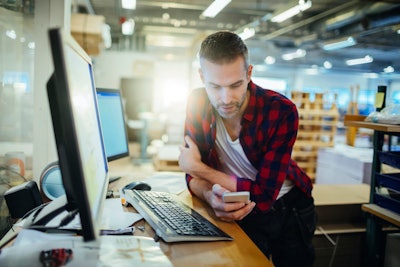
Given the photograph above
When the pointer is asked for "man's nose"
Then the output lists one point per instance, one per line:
(226, 95)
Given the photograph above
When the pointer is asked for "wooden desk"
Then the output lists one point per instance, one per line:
(239, 252)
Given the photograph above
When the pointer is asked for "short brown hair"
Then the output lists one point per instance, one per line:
(223, 47)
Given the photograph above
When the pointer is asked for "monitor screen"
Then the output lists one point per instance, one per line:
(77, 129)
(112, 118)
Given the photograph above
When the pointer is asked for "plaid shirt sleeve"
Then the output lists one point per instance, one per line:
(198, 124)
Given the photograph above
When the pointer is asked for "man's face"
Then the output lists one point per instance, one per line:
(226, 85)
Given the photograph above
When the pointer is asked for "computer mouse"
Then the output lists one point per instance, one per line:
(137, 185)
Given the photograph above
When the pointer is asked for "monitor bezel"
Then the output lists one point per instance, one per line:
(118, 91)
(70, 161)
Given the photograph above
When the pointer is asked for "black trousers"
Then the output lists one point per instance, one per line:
(284, 234)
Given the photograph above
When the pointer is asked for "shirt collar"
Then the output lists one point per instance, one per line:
(251, 105)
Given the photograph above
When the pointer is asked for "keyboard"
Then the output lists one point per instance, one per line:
(171, 219)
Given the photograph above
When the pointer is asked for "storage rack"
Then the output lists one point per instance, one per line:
(317, 129)
(378, 212)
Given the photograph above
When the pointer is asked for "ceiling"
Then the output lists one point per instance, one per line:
(177, 28)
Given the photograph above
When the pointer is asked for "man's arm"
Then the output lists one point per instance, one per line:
(190, 162)
(209, 184)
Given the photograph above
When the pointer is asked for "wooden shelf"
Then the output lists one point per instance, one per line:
(374, 237)
(385, 214)
(383, 127)
(340, 228)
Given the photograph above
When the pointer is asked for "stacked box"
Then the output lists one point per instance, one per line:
(317, 128)
(87, 31)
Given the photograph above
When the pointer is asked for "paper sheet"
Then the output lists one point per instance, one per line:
(110, 251)
(127, 251)
(170, 182)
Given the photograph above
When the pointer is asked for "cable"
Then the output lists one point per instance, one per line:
(68, 218)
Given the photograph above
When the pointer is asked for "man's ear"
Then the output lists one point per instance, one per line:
(201, 75)
(249, 72)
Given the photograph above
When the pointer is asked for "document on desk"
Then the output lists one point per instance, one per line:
(110, 251)
(171, 182)
(128, 251)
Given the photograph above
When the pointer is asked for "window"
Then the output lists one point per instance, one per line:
(16, 81)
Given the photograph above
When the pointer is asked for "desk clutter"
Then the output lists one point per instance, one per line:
(32, 248)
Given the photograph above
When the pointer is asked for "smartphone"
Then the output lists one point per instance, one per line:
(242, 196)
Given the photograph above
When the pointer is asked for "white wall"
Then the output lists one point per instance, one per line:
(172, 78)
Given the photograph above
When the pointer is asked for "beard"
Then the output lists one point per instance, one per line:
(230, 110)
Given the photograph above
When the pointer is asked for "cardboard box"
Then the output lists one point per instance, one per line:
(87, 31)
(344, 165)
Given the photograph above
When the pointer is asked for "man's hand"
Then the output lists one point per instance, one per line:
(190, 157)
(227, 211)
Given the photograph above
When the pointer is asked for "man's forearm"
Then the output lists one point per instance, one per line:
(212, 176)
(200, 188)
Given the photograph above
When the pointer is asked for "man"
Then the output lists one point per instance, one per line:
(239, 137)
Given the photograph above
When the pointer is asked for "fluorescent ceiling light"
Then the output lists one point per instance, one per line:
(128, 4)
(298, 53)
(357, 61)
(339, 43)
(247, 33)
(291, 11)
(215, 8)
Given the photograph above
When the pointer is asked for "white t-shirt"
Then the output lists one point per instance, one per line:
(233, 159)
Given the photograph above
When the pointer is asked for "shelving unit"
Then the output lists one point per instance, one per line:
(317, 128)
(377, 214)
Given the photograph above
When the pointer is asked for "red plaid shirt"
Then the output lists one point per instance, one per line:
(269, 130)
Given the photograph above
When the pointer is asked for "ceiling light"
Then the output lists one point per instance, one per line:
(293, 10)
(298, 53)
(31, 45)
(388, 69)
(215, 8)
(128, 27)
(327, 65)
(357, 61)
(12, 34)
(339, 43)
(269, 60)
(247, 33)
(128, 4)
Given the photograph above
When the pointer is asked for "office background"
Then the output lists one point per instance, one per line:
(25, 67)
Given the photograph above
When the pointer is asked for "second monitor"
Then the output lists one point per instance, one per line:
(112, 118)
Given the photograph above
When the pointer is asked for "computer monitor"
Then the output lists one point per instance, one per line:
(112, 118)
(77, 129)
